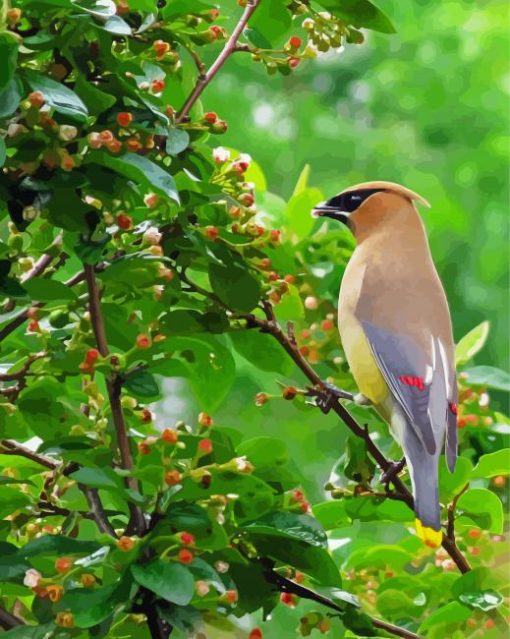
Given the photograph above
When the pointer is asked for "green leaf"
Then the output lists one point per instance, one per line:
(483, 507)
(3, 152)
(139, 169)
(8, 58)
(471, 343)
(96, 100)
(450, 484)
(355, 462)
(177, 140)
(45, 290)
(298, 213)
(264, 452)
(487, 600)
(257, 39)
(167, 580)
(291, 306)
(331, 514)
(474, 589)
(10, 98)
(262, 351)
(62, 99)
(290, 526)
(235, 286)
(359, 13)
(41, 631)
(59, 545)
(453, 613)
(205, 362)
(302, 181)
(492, 464)
(99, 8)
(488, 376)
(115, 24)
(142, 384)
(272, 21)
(91, 607)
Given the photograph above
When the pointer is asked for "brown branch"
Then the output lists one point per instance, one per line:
(450, 530)
(286, 585)
(271, 326)
(228, 49)
(10, 447)
(97, 511)
(8, 620)
(113, 386)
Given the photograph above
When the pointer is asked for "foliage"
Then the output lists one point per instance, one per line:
(133, 255)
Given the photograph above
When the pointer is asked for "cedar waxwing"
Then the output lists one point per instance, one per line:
(396, 332)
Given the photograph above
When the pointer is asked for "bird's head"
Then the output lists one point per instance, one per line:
(365, 206)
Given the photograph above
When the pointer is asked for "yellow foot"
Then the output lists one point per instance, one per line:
(430, 537)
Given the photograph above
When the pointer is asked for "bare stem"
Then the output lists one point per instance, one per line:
(229, 48)
(113, 385)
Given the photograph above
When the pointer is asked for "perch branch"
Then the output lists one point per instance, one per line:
(229, 48)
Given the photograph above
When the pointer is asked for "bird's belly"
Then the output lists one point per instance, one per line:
(361, 361)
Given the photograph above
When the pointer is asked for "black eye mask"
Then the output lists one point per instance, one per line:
(349, 202)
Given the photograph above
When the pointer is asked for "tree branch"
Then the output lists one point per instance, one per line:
(113, 386)
(8, 620)
(97, 510)
(286, 585)
(10, 447)
(228, 49)
(271, 326)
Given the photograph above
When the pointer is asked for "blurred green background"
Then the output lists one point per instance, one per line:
(426, 107)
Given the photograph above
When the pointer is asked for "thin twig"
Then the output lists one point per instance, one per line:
(113, 386)
(10, 447)
(286, 585)
(8, 620)
(97, 510)
(450, 530)
(228, 49)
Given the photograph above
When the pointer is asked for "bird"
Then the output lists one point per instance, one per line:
(396, 331)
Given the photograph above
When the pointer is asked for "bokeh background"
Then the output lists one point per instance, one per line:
(426, 107)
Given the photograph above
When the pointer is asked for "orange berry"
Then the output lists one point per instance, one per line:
(275, 235)
(256, 633)
(151, 200)
(499, 481)
(106, 136)
(125, 543)
(133, 145)
(146, 416)
(124, 118)
(173, 477)
(65, 619)
(290, 392)
(63, 564)
(327, 325)
(295, 42)
(144, 448)
(246, 199)
(115, 146)
(489, 624)
(231, 596)
(67, 163)
(13, 16)
(36, 99)
(87, 580)
(54, 592)
(161, 48)
(205, 420)
(261, 398)
(122, 7)
(185, 556)
(474, 533)
(290, 279)
(205, 446)
(474, 550)
(170, 436)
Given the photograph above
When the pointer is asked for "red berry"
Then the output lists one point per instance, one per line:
(143, 341)
(211, 232)
(115, 146)
(144, 448)
(187, 538)
(91, 355)
(288, 599)
(62, 564)
(261, 398)
(106, 136)
(256, 633)
(294, 62)
(273, 276)
(246, 199)
(205, 446)
(231, 596)
(161, 48)
(146, 416)
(124, 118)
(295, 42)
(185, 556)
(33, 326)
(297, 495)
(173, 477)
(474, 533)
(158, 85)
(274, 235)
(210, 117)
(36, 99)
(290, 279)
(327, 325)
(133, 145)
(124, 222)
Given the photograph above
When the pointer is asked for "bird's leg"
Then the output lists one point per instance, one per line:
(327, 395)
(392, 472)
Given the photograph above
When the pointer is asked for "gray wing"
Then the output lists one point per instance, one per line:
(417, 380)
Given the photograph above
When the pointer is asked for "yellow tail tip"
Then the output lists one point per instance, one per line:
(430, 537)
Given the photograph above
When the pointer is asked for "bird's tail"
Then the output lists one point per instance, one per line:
(424, 478)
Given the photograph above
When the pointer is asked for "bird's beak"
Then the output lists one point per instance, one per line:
(325, 210)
